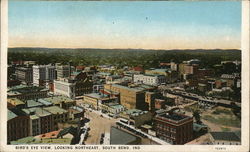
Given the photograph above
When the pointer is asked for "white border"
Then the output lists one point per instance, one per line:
(173, 148)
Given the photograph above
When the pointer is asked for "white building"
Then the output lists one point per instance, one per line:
(64, 87)
(63, 71)
(153, 80)
(42, 73)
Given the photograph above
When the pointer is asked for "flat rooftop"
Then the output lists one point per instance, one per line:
(120, 137)
(127, 88)
(96, 95)
(58, 99)
(15, 101)
(55, 110)
(25, 89)
(173, 116)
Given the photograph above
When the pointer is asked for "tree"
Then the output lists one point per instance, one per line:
(196, 115)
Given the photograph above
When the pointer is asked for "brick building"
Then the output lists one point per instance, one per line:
(130, 97)
(17, 126)
(174, 128)
(24, 92)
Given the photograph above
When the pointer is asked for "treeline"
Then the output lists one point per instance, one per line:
(121, 57)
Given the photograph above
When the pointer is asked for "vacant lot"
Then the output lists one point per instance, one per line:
(221, 119)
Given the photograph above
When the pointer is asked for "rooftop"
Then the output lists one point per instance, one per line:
(32, 140)
(58, 99)
(39, 112)
(52, 134)
(120, 137)
(127, 88)
(173, 116)
(15, 101)
(159, 70)
(44, 102)
(71, 130)
(117, 106)
(226, 136)
(96, 95)
(77, 108)
(33, 103)
(135, 112)
(11, 115)
(55, 110)
(25, 89)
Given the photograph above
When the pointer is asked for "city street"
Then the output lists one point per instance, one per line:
(98, 125)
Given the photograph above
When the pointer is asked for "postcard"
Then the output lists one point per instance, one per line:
(124, 76)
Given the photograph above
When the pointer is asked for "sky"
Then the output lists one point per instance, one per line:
(138, 25)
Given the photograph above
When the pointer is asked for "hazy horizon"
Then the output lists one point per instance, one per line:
(125, 25)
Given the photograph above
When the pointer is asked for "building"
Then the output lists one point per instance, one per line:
(174, 128)
(32, 103)
(205, 73)
(64, 87)
(160, 104)
(150, 98)
(131, 98)
(61, 101)
(193, 62)
(45, 117)
(114, 79)
(173, 66)
(14, 102)
(191, 69)
(11, 83)
(78, 85)
(95, 100)
(120, 137)
(112, 108)
(137, 117)
(171, 75)
(153, 80)
(153, 71)
(24, 74)
(17, 126)
(97, 88)
(224, 138)
(34, 122)
(43, 73)
(24, 92)
(75, 112)
(63, 71)
(59, 115)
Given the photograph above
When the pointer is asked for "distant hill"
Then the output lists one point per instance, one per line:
(120, 57)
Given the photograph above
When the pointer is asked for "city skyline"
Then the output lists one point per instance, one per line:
(138, 25)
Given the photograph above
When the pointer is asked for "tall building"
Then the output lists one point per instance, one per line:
(174, 128)
(43, 73)
(24, 74)
(131, 98)
(78, 85)
(191, 69)
(63, 71)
